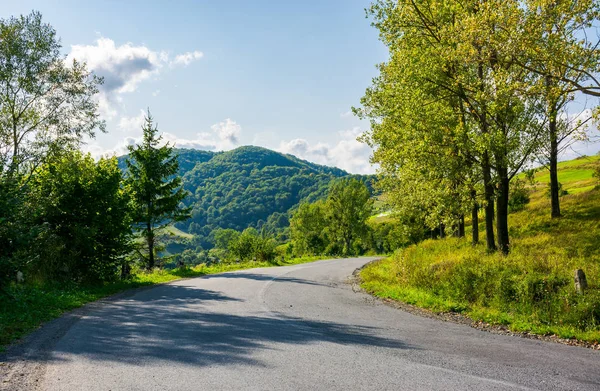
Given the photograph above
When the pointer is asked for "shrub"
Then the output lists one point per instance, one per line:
(596, 174)
(82, 212)
(530, 176)
(519, 197)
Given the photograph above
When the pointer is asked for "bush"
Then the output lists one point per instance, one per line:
(530, 176)
(82, 212)
(519, 197)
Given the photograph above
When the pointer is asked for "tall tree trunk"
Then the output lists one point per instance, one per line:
(487, 174)
(442, 230)
(502, 210)
(554, 186)
(461, 226)
(474, 218)
(150, 239)
(489, 203)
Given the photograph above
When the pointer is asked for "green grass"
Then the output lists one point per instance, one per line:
(177, 232)
(532, 288)
(26, 307)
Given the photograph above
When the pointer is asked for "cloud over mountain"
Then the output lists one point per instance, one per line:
(124, 67)
(348, 153)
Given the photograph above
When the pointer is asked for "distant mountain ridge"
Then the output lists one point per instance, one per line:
(247, 187)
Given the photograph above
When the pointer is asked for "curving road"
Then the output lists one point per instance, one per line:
(291, 328)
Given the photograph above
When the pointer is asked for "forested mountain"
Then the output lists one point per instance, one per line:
(248, 187)
(187, 159)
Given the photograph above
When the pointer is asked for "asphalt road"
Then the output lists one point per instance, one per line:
(292, 328)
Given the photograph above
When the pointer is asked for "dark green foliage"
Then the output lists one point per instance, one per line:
(278, 225)
(249, 245)
(16, 231)
(224, 237)
(307, 228)
(83, 217)
(46, 106)
(156, 193)
(187, 158)
(519, 196)
(349, 205)
(251, 187)
(388, 236)
(336, 225)
(189, 258)
(248, 187)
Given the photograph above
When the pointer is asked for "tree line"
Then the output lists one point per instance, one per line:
(63, 215)
(472, 94)
(66, 217)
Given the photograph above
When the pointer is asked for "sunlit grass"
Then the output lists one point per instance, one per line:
(177, 232)
(532, 288)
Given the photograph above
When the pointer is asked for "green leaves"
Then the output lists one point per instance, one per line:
(45, 104)
(461, 105)
(336, 225)
(155, 187)
(83, 214)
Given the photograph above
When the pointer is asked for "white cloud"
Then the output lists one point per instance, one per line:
(119, 149)
(186, 59)
(155, 93)
(228, 133)
(124, 67)
(348, 154)
(224, 136)
(132, 124)
(347, 114)
(203, 141)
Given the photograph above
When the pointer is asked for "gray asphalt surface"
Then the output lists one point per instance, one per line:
(294, 328)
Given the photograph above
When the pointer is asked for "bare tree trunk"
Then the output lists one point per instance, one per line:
(554, 186)
(502, 210)
(489, 203)
(150, 240)
(461, 226)
(475, 218)
(487, 174)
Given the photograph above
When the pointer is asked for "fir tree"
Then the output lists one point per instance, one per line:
(156, 191)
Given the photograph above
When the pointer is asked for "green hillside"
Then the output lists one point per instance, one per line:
(247, 187)
(250, 187)
(532, 288)
(188, 158)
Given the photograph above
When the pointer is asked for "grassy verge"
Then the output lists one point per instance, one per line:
(532, 288)
(26, 307)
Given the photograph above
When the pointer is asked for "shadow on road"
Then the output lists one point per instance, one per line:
(184, 324)
(262, 277)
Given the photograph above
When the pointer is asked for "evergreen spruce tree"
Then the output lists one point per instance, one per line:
(155, 190)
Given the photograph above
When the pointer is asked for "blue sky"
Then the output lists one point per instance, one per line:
(217, 74)
(222, 73)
